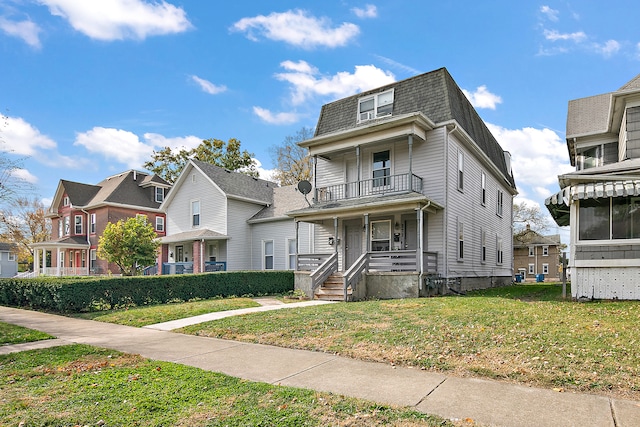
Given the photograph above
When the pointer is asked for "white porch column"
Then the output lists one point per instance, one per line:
(58, 262)
(36, 262)
(420, 251)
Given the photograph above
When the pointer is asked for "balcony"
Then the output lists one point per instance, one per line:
(392, 184)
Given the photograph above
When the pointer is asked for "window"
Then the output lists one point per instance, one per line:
(65, 201)
(195, 213)
(66, 225)
(380, 235)
(499, 250)
(531, 251)
(267, 248)
(460, 170)
(78, 224)
(483, 184)
(611, 218)
(84, 259)
(460, 240)
(381, 168)
(483, 245)
(159, 223)
(590, 157)
(545, 268)
(93, 223)
(373, 106)
(60, 227)
(92, 259)
(532, 268)
(291, 254)
(499, 204)
(159, 194)
(12, 256)
(545, 251)
(194, 179)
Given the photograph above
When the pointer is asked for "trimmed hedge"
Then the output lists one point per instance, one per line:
(76, 294)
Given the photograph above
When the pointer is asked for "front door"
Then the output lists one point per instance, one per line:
(179, 254)
(410, 236)
(353, 239)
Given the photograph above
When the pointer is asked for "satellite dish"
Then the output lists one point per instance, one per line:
(304, 187)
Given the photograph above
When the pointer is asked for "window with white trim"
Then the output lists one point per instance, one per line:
(460, 170)
(499, 252)
(65, 201)
(460, 240)
(499, 203)
(545, 251)
(545, 268)
(483, 246)
(531, 251)
(291, 254)
(267, 250)
(92, 259)
(77, 221)
(159, 194)
(60, 227)
(532, 268)
(93, 223)
(374, 106)
(12, 256)
(381, 168)
(609, 218)
(483, 185)
(381, 235)
(160, 223)
(67, 225)
(195, 213)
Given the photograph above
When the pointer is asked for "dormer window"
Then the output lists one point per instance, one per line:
(375, 106)
(159, 194)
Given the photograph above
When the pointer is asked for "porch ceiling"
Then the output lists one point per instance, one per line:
(68, 243)
(365, 205)
(203, 234)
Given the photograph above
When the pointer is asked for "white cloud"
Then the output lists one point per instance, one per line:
(395, 64)
(28, 31)
(306, 81)
(120, 19)
(25, 175)
(277, 118)
(160, 141)
(482, 98)
(608, 48)
(266, 174)
(297, 28)
(551, 14)
(554, 35)
(369, 11)
(207, 86)
(538, 156)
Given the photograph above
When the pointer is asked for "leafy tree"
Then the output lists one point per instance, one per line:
(168, 163)
(293, 163)
(130, 244)
(25, 223)
(524, 214)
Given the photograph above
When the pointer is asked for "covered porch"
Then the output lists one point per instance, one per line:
(367, 247)
(66, 257)
(199, 251)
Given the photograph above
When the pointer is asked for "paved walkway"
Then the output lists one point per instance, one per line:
(486, 402)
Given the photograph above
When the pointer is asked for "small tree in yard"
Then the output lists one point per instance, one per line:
(130, 244)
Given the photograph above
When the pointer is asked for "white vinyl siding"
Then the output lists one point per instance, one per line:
(240, 236)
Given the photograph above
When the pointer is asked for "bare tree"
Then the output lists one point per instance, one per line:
(524, 215)
(293, 163)
(25, 223)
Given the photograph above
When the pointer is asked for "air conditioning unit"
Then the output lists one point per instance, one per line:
(368, 115)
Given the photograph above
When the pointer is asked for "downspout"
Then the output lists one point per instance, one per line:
(88, 255)
(421, 241)
(446, 198)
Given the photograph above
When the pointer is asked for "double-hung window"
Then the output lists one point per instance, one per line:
(545, 251)
(373, 106)
(195, 213)
(77, 224)
(93, 224)
(382, 168)
(267, 248)
(499, 252)
(380, 235)
(460, 240)
(159, 194)
(483, 243)
(531, 251)
(291, 254)
(499, 203)
(67, 225)
(460, 170)
(483, 183)
(160, 223)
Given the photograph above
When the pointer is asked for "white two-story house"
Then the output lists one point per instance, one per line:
(412, 195)
(600, 200)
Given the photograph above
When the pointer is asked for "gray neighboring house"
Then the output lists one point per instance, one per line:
(8, 259)
(221, 220)
(412, 195)
(600, 200)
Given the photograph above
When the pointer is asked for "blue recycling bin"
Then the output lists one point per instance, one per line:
(539, 277)
(518, 278)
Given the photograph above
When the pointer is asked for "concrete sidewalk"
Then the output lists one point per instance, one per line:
(486, 402)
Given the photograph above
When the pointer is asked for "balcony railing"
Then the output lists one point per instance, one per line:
(187, 267)
(402, 183)
(63, 271)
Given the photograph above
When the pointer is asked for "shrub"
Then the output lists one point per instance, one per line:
(75, 294)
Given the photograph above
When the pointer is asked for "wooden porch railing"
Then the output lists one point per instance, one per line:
(64, 271)
(325, 270)
(310, 262)
(369, 187)
(354, 273)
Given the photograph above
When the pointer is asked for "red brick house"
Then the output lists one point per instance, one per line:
(80, 212)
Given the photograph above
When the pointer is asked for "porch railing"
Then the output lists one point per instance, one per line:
(213, 266)
(405, 182)
(177, 267)
(311, 262)
(64, 271)
(325, 270)
(354, 273)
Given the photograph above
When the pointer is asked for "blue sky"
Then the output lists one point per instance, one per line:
(90, 89)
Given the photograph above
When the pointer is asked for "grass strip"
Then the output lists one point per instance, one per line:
(12, 334)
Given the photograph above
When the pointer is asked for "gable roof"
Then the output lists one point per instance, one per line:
(437, 96)
(530, 237)
(238, 185)
(285, 199)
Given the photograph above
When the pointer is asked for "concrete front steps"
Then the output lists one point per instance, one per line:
(332, 289)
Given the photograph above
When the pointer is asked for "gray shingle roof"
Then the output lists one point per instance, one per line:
(285, 199)
(79, 194)
(532, 237)
(436, 95)
(238, 184)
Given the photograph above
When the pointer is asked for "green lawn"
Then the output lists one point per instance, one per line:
(522, 333)
(143, 316)
(81, 385)
(11, 334)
